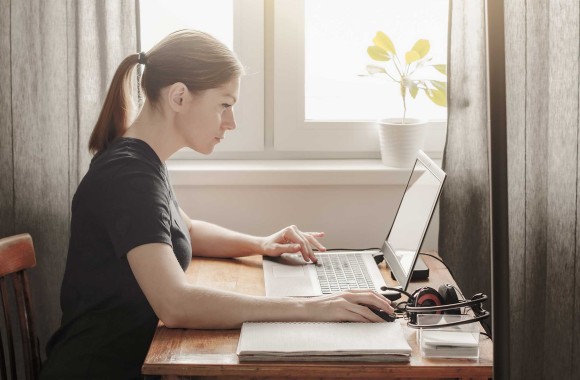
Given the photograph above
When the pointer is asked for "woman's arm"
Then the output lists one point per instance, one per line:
(214, 241)
(180, 304)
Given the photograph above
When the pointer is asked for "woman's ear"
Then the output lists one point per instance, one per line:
(176, 96)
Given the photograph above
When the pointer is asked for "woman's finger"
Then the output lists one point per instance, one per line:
(315, 234)
(311, 237)
(293, 234)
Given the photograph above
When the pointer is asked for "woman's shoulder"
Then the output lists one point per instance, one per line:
(125, 167)
(128, 157)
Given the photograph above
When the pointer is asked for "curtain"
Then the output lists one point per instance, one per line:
(543, 124)
(57, 59)
(464, 239)
(542, 91)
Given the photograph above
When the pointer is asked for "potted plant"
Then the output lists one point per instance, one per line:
(401, 137)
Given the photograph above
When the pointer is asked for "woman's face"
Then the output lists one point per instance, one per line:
(208, 115)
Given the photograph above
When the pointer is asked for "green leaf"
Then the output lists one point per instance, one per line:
(419, 50)
(374, 69)
(441, 68)
(422, 47)
(378, 54)
(414, 90)
(438, 97)
(441, 86)
(384, 42)
(411, 56)
(411, 85)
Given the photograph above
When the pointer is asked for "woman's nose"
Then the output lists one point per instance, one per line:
(229, 120)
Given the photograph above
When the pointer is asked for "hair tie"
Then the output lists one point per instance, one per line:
(142, 58)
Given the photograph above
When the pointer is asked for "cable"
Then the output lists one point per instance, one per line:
(378, 257)
(487, 329)
(485, 334)
(441, 261)
(397, 290)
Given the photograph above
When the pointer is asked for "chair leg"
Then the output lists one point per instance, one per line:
(7, 324)
(29, 341)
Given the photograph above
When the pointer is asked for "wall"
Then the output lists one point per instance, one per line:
(351, 216)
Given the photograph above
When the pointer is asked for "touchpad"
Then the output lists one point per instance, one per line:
(283, 271)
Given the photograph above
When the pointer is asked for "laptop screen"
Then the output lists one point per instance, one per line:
(405, 238)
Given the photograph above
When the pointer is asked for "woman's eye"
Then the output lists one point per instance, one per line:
(226, 105)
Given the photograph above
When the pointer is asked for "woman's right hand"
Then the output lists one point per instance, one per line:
(348, 306)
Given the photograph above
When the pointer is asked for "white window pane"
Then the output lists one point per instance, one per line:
(337, 34)
(161, 17)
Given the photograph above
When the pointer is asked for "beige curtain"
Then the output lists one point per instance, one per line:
(56, 60)
(543, 124)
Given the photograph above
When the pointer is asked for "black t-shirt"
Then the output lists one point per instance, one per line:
(124, 201)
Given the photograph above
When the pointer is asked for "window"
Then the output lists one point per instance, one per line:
(323, 104)
(313, 54)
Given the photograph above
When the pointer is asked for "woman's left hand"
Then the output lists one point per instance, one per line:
(292, 240)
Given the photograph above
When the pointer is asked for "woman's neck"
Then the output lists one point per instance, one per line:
(155, 127)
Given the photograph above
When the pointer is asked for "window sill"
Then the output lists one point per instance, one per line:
(284, 173)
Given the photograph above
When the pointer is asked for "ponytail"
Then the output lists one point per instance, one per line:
(117, 109)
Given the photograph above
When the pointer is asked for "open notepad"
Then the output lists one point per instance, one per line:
(312, 341)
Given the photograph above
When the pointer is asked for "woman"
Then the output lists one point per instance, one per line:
(130, 242)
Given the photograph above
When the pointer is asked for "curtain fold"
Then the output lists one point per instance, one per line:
(542, 90)
(464, 238)
(56, 62)
(6, 162)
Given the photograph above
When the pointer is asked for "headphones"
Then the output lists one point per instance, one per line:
(427, 300)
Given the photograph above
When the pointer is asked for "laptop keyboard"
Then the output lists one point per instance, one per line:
(342, 272)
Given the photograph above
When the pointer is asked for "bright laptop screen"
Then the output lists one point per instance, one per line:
(413, 217)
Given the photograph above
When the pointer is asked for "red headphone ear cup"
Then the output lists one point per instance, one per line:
(428, 297)
(449, 295)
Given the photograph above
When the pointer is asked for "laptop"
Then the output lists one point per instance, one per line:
(290, 276)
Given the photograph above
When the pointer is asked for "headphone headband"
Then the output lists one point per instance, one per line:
(480, 299)
(427, 300)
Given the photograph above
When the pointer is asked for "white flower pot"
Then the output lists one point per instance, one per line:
(399, 143)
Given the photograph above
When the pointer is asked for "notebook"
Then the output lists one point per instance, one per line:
(290, 275)
(325, 341)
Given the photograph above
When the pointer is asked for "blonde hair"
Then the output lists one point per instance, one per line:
(191, 57)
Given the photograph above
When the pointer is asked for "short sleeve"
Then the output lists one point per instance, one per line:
(138, 209)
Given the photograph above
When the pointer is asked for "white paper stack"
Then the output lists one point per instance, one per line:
(311, 341)
(449, 344)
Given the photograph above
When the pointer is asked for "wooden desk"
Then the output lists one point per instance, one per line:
(182, 353)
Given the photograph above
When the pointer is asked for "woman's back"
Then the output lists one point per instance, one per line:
(124, 201)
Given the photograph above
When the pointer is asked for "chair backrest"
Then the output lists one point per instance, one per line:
(16, 256)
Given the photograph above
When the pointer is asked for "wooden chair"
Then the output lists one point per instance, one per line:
(16, 256)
